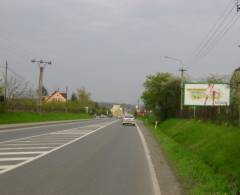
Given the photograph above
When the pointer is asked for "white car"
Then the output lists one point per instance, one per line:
(128, 120)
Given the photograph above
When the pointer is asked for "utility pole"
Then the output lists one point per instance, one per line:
(66, 98)
(6, 84)
(238, 5)
(40, 86)
(41, 65)
(235, 84)
(182, 71)
(238, 94)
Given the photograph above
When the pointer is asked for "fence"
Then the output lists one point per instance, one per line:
(221, 114)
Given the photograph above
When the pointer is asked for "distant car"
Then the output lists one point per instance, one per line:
(128, 120)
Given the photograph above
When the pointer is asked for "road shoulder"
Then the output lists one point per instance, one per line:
(165, 176)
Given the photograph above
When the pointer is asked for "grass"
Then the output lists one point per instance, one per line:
(26, 117)
(205, 156)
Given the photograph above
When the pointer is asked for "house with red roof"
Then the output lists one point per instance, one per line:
(56, 97)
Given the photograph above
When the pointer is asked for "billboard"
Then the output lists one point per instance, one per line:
(206, 94)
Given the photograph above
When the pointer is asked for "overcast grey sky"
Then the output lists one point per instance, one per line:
(109, 46)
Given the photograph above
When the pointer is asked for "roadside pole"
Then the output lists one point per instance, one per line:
(6, 84)
(40, 85)
(41, 65)
(182, 70)
(194, 112)
(238, 94)
(238, 6)
(66, 108)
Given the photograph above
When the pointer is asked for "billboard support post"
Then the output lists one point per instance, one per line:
(238, 94)
(238, 114)
(194, 112)
(6, 82)
(182, 92)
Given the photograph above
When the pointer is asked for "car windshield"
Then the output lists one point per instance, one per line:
(129, 116)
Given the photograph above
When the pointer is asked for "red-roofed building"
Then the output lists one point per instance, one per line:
(56, 97)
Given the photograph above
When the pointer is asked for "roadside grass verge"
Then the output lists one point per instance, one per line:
(205, 156)
(26, 117)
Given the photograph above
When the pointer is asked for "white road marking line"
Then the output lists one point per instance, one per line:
(33, 141)
(71, 132)
(63, 137)
(28, 160)
(68, 133)
(26, 148)
(15, 159)
(49, 140)
(15, 153)
(57, 136)
(156, 186)
(23, 138)
(49, 125)
(37, 135)
(34, 138)
(27, 144)
(5, 166)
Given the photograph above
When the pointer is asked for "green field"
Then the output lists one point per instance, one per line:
(205, 156)
(25, 117)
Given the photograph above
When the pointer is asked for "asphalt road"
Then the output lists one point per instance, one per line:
(88, 158)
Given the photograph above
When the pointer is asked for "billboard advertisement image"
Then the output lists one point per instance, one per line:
(206, 94)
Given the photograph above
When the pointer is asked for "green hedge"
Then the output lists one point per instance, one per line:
(24, 117)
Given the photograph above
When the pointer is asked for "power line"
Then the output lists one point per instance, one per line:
(14, 43)
(220, 36)
(223, 15)
(17, 75)
(222, 25)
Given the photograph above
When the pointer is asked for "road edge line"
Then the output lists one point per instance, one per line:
(156, 186)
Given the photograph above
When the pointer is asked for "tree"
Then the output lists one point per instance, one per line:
(215, 78)
(162, 94)
(18, 88)
(84, 97)
(74, 97)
